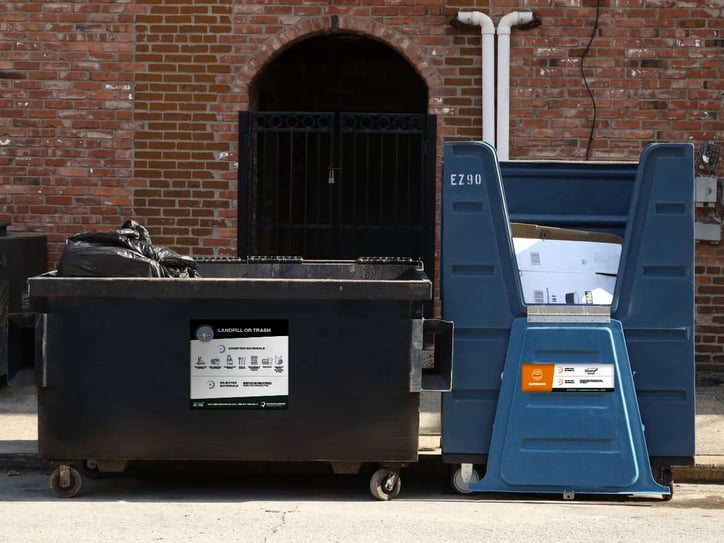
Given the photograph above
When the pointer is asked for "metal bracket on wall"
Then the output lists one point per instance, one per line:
(705, 190)
(707, 232)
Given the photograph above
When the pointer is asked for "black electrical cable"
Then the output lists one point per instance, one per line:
(585, 81)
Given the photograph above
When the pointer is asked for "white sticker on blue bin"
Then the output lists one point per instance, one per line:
(548, 377)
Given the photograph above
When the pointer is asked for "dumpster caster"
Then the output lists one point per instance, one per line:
(89, 469)
(65, 481)
(459, 483)
(385, 484)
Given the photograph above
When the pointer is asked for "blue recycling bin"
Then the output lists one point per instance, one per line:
(650, 205)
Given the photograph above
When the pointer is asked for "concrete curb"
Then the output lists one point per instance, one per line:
(699, 473)
(23, 462)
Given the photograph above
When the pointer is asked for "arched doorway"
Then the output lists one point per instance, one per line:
(340, 72)
(337, 160)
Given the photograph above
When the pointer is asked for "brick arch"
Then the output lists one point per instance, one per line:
(345, 23)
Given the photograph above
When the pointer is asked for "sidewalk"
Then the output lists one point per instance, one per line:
(19, 445)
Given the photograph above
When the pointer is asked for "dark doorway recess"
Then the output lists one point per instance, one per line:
(338, 160)
(341, 72)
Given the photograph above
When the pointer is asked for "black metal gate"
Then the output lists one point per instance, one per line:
(337, 185)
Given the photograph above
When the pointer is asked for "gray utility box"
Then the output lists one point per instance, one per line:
(289, 361)
(22, 254)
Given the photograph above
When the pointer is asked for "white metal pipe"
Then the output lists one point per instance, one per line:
(505, 24)
(487, 33)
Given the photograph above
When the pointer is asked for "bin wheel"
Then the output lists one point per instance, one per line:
(666, 478)
(65, 481)
(667, 497)
(459, 485)
(385, 484)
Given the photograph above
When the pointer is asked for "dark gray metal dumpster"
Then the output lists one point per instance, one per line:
(292, 361)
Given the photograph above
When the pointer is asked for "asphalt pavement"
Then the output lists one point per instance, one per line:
(19, 431)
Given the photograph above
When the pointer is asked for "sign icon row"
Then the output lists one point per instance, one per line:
(240, 362)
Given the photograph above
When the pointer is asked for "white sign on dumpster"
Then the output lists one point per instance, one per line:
(239, 364)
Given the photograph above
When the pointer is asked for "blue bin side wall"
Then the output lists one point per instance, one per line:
(649, 203)
(477, 289)
(654, 298)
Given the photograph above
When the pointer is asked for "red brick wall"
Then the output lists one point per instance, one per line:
(111, 110)
(709, 309)
(66, 115)
(186, 114)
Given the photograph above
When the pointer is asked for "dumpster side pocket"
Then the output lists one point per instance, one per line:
(416, 346)
(438, 376)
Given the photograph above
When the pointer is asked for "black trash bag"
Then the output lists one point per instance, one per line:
(87, 259)
(126, 252)
(141, 230)
(174, 264)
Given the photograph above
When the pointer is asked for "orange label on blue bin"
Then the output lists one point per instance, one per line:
(538, 377)
(546, 377)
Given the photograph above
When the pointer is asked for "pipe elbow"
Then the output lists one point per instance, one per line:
(477, 18)
(514, 18)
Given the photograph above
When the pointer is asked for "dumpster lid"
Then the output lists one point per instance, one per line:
(239, 279)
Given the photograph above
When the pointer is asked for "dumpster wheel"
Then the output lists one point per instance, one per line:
(65, 481)
(385, 484)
